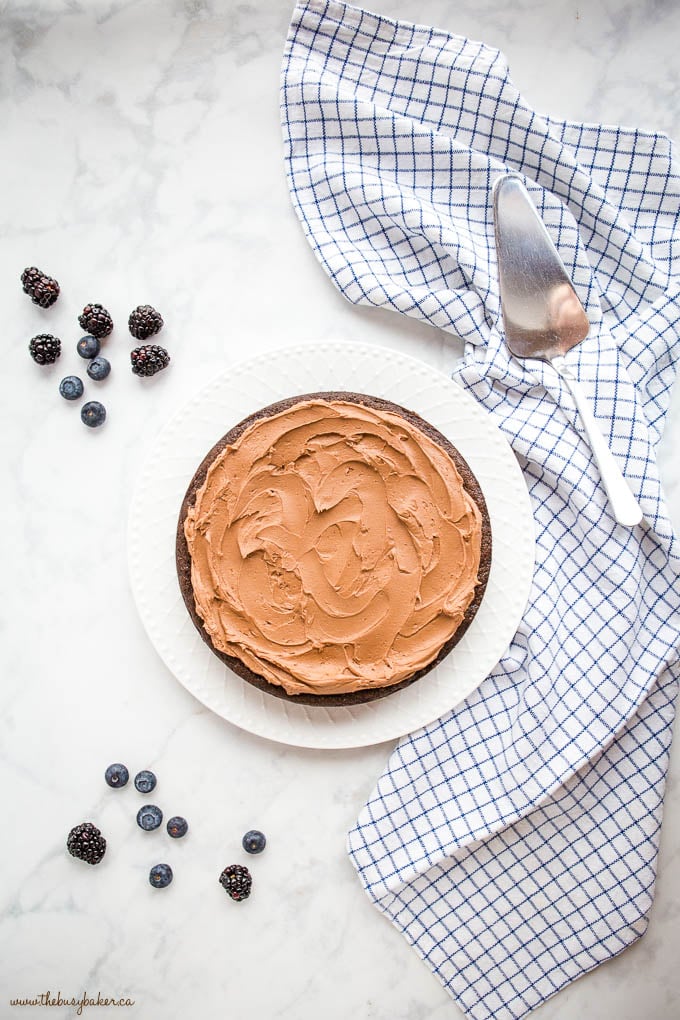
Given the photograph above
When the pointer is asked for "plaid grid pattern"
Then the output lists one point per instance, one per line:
(514, 841)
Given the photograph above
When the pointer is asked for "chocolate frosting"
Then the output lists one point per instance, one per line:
(333, 548)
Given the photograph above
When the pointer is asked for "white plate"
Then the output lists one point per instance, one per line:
(183, 444)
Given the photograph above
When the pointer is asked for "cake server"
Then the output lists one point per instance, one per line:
(544, 318)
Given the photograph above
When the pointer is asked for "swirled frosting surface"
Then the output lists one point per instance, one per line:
(333, 548)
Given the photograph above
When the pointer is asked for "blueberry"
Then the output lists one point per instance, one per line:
(149, 817)
(93, 414)
(98, 368)
(160, 876)
(71, 387)
(145, 781)
(254, 841)
(116, 775)
(88, 347)
(177, 827)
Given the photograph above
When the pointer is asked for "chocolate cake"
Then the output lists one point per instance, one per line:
(332, 548)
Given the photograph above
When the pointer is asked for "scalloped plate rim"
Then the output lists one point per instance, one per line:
(490, 457)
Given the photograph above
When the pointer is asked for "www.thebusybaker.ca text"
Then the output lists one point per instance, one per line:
(48, 999)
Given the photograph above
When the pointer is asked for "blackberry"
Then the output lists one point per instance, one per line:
(96, 321)
(254, 841)
(42, 289)
(45, 348)
(149, 359)
(86, 842)
(236, 881)
(144, 321)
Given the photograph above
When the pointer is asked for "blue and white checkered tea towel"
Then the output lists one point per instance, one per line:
(514, 841)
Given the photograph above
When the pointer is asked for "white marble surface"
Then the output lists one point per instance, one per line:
(142, 162)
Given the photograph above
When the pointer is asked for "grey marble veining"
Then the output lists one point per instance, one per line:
(142, 162)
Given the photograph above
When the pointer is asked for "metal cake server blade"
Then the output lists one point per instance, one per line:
(544, 318)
